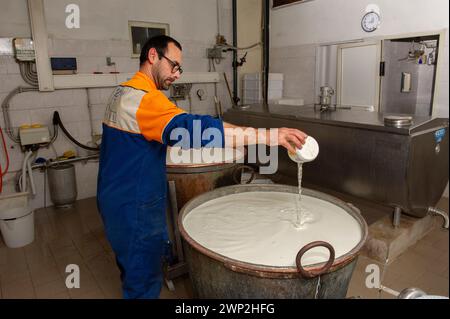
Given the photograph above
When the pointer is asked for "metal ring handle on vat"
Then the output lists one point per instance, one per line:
(242, 168)
(324, 269)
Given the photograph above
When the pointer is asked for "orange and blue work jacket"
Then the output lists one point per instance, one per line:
(137, 128)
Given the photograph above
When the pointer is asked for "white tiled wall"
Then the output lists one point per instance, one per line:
(72, 105)
(81, 119)
(297, 63)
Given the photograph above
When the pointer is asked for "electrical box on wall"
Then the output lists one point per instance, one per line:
(36, 134)
(180, 91)
(64, 65)
(214, 53)
(24, 49)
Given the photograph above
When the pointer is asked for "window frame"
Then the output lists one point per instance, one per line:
(147, 25)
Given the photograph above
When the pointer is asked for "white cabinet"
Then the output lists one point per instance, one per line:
(358, 80)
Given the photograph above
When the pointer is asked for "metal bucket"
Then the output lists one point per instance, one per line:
(192, 180)
(63, 185)
(216, 276)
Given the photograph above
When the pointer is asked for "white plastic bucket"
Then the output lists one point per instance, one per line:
(18, 232)
(16, 220)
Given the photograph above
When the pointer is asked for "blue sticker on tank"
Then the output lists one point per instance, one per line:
(439, 135)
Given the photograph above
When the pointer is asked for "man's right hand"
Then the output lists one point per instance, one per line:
(289, 138)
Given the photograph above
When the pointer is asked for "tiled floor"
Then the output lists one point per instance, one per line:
(423, 266)
(76, 236)
(72, 236)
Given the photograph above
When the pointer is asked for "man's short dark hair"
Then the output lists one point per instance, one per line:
(160, 43)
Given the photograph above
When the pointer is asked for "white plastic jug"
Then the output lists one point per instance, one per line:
(307, 153)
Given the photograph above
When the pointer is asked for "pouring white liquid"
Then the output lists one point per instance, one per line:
(258, 228)
(302, 216)
(307, 153)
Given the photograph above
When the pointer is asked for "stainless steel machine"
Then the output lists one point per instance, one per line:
(326, 93)
(396, 161)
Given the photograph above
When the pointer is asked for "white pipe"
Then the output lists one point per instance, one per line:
(24, 171)
(40, 39)
(389, 291)
(30, 173)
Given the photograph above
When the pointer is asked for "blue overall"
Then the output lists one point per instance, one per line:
(131, 193)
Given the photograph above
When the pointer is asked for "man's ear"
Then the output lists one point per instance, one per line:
(152, 55)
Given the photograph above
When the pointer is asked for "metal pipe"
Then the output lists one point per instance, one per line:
(436, 211)
(174, 208)
(266, 38)
(71, 160)
(218, 17)
(233, 102)
(238, 48)
(411, 293)
(397, 216)
(235, 71)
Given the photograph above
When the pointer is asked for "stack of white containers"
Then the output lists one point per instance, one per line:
(253, 91)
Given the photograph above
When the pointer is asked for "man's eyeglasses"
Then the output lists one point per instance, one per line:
(175, 65)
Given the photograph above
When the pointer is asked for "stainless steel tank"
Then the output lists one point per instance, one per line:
(216, 276)
(404, 166)
(62, 184)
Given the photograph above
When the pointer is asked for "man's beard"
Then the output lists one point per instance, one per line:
(164, 84)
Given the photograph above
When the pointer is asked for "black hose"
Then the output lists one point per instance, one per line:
(57, 121)
(266, 52)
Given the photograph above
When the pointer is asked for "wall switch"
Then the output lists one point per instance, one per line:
(109, 61)
(180, 91)
(406, 82)
(214, 53)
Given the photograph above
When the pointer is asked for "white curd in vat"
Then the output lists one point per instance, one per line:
(259, 228)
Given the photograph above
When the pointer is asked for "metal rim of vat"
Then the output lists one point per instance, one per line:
(206, 167)
(198, 168)
(271, 271)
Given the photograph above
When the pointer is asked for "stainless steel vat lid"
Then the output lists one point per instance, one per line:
(398, 120)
